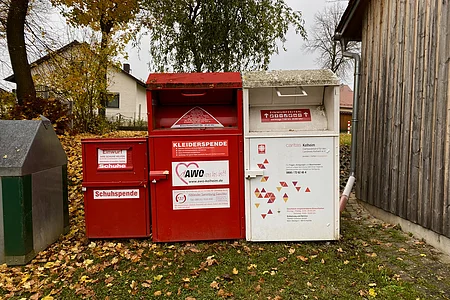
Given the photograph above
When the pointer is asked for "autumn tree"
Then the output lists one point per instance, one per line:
(322, 42)
(73, 75)
(217, 35)
(109, 17)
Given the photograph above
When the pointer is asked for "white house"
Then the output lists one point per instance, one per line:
(129, 100)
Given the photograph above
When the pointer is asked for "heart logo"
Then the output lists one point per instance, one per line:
(181, 169)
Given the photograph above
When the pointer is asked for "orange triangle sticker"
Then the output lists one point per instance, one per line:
(257, 204)
(263, 179)
(279, 188)
(307, 190)
(285, 199)
(266, 161)
(197, 117)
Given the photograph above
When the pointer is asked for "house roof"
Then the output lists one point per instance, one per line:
(346, 97)
(61, 50)
(349, 28)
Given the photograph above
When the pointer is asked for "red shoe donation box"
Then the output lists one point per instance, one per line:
(196, 156)
(115, 185)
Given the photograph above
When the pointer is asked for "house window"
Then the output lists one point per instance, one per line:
(113, 100)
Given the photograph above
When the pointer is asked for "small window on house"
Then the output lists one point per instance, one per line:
(113, 100)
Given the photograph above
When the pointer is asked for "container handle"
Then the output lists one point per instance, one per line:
(193, 95)
(302, 93)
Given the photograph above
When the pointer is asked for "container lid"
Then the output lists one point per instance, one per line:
(280, 78)
(194, 80)
(29, 146)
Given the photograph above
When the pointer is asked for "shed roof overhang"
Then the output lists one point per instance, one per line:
(350, 26)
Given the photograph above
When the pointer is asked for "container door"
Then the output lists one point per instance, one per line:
(201, 197)
(296, 198)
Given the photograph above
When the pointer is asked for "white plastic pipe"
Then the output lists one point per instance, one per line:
(346, 193)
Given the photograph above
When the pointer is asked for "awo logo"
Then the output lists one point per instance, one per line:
(198, 173)
(185, 171)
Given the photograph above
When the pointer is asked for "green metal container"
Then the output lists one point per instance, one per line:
(33, 189)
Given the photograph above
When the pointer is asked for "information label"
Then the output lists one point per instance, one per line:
(200, 173)
(111, 159)
(116, 194)
(202, 148)
(201, 199)
(286, 115)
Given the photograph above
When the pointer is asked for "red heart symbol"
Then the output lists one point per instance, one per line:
(186, 166)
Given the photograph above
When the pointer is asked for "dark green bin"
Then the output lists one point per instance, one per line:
(33, 189)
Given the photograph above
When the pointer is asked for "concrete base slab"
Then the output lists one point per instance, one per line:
(432, 238)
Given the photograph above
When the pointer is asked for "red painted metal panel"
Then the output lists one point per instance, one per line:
(196, 136)
(117, 212)
(194, 80)
(115, 160)
(115, 181)
(214, 222)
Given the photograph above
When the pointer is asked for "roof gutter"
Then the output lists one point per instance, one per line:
(342, 26)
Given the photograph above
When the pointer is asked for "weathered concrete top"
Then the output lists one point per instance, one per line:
(28, 147)
(280, 78)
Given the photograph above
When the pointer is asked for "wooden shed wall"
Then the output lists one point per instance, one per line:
(403, 156)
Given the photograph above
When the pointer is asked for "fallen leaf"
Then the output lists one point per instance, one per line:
(48, 297)
(133, 285)
(252, 266)
(282, 259)
(346, 262)
(157, 293)
(302, 258)
(372, 293)
(372, 284)
(186, 279)
(291, 251)
(257, 288)
(340, 250)
(423, 255)
(402, 250)
(235, 271)
(214, 285)
(158, 277)
(309, 284)
(109, 279)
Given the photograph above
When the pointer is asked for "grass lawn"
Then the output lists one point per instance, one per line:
(371, 260)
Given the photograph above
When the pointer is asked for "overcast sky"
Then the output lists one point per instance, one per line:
(293, 59)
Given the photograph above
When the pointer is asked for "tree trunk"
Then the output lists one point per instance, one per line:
(105, 27)
(15, 36)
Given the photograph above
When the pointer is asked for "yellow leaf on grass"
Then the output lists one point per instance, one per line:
(157, 293)
(186, 279)
(291, 251)
(158, 277)
(252, 266)
(48, 297)
(25, 278)
(235, 271)
(88, 262)
(49, 265)
(133, 284)
(372, 293)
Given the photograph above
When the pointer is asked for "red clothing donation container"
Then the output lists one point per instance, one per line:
(115, 185)
(196, 156)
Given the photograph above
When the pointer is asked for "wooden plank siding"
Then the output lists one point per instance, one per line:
(403, 155)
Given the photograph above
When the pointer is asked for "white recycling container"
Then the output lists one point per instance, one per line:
(291, 155)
